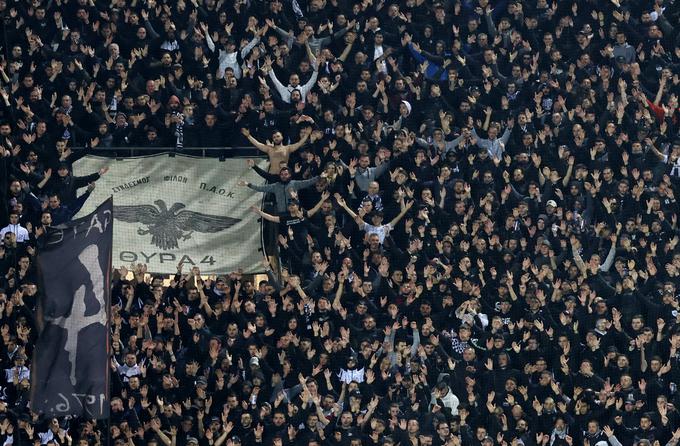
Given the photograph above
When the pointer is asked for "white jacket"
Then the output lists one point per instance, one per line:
(231, 60)
(18, 230)
(285, 92)
(450, 400)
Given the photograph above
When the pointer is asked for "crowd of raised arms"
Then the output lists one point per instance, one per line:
(474, 206)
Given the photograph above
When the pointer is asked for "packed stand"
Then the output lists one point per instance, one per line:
(474, 204)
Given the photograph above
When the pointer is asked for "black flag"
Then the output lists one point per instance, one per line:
(70, 372)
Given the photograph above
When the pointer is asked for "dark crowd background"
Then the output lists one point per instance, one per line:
(473, 201)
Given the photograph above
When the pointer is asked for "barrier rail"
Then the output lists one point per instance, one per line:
(221, 153)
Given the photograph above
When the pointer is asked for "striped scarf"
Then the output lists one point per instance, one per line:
(179, 134)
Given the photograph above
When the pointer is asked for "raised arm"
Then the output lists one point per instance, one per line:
(481, 142)
(279, 86)
(416, 54)
(286, 36)
(246, 49)
(577, 257)
(259, 188)
(338, 293)
(381, 169)
(268, 217)
(150, 29)
(155, 425)
(570, 171)
(346, 52)
(487, 119)
(506, 135)
(264, 147)
(46, 178)
(416, 340)
(659, 93)
(272, 178)
(298, 185)
(316, 63)
(80, 201)
(402, 213)
(451, 145)
(310, 54)
(293, 147)
(609, 261)
(325, 195)
(355, 217)
(490, 25)
(223, 437)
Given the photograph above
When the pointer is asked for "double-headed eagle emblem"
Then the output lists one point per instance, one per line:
(168, 226)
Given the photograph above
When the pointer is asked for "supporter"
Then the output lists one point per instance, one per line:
(61, 213)
(14, 227)
(278, 152)
(284, 188)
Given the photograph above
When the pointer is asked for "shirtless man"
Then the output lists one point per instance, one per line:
(278, 152)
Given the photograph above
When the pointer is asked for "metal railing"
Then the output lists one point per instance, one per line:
(221, 153)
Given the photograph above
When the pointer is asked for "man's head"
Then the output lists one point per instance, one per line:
(13, 218)
(284, 174)
(63, 170)
(54, 201)
(46, 218)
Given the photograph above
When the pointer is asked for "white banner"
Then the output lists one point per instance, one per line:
(171, 209)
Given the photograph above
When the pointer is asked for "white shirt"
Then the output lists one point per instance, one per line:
(347, 376)
(23, 373)
(18, 230)
(675, 170)
(45, 437)
(127, 371)
(382, 230)
(378, 51)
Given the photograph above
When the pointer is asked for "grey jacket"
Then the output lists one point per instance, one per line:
(626, 50)
(493, 146)
(282, 191)
(315, 43)
(364, 177)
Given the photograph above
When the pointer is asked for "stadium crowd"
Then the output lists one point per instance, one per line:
(475, 203)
